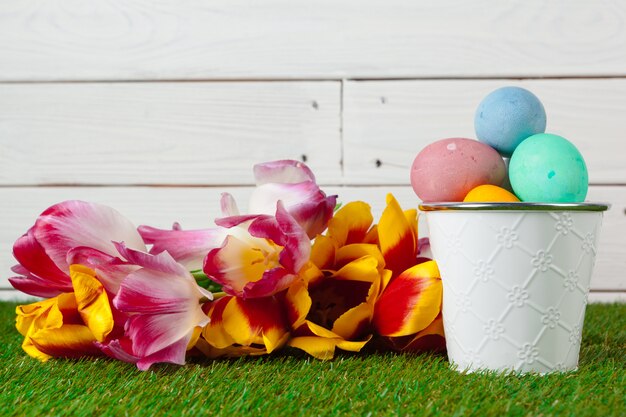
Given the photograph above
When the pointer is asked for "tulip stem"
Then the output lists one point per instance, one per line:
(205, 282)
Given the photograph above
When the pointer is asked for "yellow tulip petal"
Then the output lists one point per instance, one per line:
(323, 252)
(363, 269)
(214, 332)
(32, 351)
(351, 223)
(197, 331)
(320, 331)
(386, 275)
(349, 253)
(44, 315)
(318, 347)
(71, 340)
(324, 348)
(92, 300)
(41, 311)
(274, 339)
(397, 237)
(298, 304)
(310, 273)
(431, 338)
(372, 236)
(434, 328)
(228, 352)
(411, 216)
(353, 346)
(255, 321)
(354, 322)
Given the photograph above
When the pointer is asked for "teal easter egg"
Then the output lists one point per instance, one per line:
(548, 168)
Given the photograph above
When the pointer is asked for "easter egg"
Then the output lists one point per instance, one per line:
(507, 116)
(446, 170)
(489, 193)
(548, 168)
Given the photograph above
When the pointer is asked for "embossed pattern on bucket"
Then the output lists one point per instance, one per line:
(515, 286)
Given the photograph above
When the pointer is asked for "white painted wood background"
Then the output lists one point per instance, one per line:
(155, 107)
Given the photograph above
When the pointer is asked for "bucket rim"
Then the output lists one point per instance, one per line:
(513, 206)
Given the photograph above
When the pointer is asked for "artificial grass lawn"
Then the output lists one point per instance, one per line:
(292, 384)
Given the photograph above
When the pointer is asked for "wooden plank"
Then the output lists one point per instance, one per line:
(391, 121)
(607, 297)
(196, 207)
(244, 39)
(165, 133)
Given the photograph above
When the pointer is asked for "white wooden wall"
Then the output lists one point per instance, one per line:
(155, 107)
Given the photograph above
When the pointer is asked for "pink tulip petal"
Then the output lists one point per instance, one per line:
(19, 269)
(110, 270)
(32, 256)
(174, 353)
(151, 333)
(164, 307)
(283, 171)
(273, 281)
(32, 284)
(285, 231)
(77, 223)
(228, 205)
(187, 247)
(246, 264)
(120, 349)
(314, 216)
(154, 292)
(38, 287)
(162, 262)
(264, 197)
(236, 263)
(293, 183)
(233, 221)
(423, 250)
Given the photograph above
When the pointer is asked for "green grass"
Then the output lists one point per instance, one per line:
(292, 384)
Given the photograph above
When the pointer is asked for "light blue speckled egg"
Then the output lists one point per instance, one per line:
(549, 169)
(507, 116)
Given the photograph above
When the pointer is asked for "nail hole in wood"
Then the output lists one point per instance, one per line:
(383, 100)
(303, 157)
(315, 105)
(378, 163)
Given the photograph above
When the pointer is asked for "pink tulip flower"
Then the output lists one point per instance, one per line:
(261, 255)
(164, 307)
(291, 182)
(42, 252)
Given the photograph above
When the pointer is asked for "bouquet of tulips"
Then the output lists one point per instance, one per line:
(296, 271)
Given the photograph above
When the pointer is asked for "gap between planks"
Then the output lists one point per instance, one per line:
(316, 79)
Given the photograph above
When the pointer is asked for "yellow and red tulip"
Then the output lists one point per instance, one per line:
(334, 311)
(411, 301)
(332, 304)
(403, 295)
(241, 327)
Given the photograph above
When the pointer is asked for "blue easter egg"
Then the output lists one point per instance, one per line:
(507, 116)
(549, 169)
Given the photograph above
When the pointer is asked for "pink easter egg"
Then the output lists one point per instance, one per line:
(446, 170)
